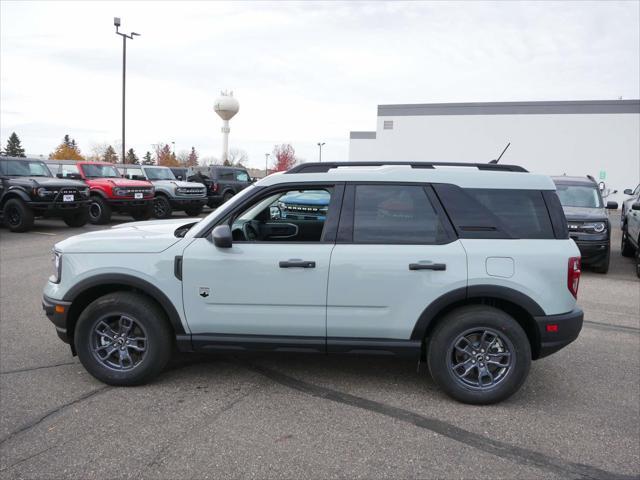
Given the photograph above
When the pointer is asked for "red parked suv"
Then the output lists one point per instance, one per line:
(109, 191)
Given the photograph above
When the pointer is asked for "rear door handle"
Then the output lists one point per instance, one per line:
(428, 266)
(295, 263)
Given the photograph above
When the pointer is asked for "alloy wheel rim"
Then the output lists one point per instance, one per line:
(158, 208)
(95, 210)
(119, 342)
(13, 216)
(480, 358)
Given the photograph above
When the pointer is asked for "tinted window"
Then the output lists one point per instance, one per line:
(578, 196)
(163, 173)
(521, 212)
(226, 175)
(100, 171)
(395, 214)
(25, 168)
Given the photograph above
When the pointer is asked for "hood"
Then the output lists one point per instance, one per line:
(118, 182)
(177, 183)
(584, 213)
(135, 237)
(33, 182)
(307, 198)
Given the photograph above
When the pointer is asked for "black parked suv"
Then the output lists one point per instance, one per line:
(28, 190)
(222, 182)
(587, 217)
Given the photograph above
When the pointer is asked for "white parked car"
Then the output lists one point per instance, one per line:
(467, 266)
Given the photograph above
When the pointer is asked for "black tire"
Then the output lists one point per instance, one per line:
(455, 328)
(77, 219)
(626, 248)
(161, 207)
(603, 267)
(18, 217)
(142, 213)
(148, 321)
(227, 196)
(99, 211)
(193, 211)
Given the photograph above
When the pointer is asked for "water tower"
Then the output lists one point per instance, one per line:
(226, 106)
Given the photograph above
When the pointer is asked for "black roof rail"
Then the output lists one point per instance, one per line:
(314, 167)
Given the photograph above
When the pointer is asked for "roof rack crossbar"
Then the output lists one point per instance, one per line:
(315, 167)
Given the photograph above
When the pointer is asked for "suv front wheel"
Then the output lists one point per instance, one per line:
(479, 355)
(18, 216)
(123, 338)
(626, 248)
(99, 211)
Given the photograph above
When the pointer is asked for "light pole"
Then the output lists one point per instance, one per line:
(320, 147)
(173, 145)
(266, 164)
(116, 22)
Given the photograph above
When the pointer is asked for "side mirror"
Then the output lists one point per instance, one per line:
(222, 236)
(628, 191)
(179, 177)
(635, 206)
(612, 205)
(59, 175)
(138, 177)
(275, 213)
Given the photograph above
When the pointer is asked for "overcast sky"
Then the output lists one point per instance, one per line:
(302, 72)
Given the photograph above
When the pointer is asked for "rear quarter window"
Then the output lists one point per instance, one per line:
(497, 213)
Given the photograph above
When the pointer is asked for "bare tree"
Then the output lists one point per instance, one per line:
(238, 157)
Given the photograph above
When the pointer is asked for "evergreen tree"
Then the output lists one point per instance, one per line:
(147, 159)
(132, 158)
(14, 148)
(110, 155)
(66, 141)
(192, 159)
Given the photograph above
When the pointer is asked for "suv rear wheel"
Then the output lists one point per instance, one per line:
(99, 211)
(123, 338)
(18, 216)
(227, 196)
(161, 207)
(479, 355)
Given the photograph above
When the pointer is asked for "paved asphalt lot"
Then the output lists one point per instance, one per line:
(577, 416)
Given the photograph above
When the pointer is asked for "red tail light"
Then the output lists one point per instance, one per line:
(214, 187)
(573, 275)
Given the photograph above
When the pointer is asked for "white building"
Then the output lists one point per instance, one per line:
(599, 138)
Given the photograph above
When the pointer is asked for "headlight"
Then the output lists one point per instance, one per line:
(120, 192)
(597, 227)
(43, 192)
(56, 262)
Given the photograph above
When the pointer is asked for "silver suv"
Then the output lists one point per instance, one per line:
(469, 268)
(171, 194)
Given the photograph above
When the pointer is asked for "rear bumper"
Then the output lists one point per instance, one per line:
(558, 331)
(57, 311)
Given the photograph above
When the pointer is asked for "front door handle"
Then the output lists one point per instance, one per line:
(295, 263)
(428, 266)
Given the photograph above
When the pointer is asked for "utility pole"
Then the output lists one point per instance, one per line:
(116, 22)
(266, 164)
(320, 147)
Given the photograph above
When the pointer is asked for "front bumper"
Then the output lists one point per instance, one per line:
(593, 251)
(58, 208)
(188, 202)
(130, 203)
(57, 311)
(558, 331)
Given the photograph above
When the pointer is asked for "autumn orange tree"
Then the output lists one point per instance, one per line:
(285, 156)
(164, 156)
(67, 150)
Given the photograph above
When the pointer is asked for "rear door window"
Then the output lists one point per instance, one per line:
(226, 175)
(395, 214)
(242, 176)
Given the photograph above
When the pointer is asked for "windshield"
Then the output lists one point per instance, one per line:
(100, 171)
(26, 168)
(579, 196)
(159, 174)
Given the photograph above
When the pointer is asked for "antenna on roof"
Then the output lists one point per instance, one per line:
(498, 159)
